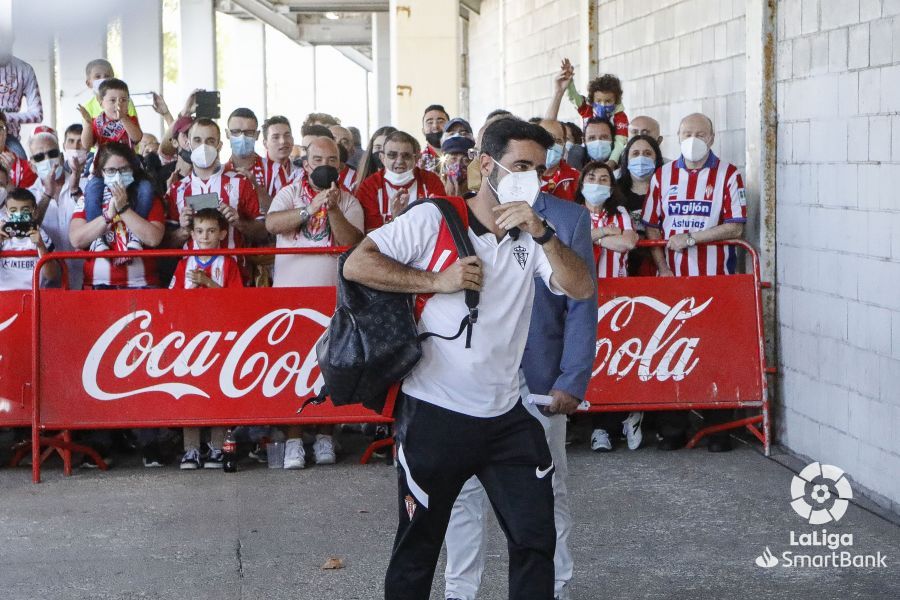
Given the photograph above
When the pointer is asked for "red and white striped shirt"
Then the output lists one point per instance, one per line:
(256, 169)
(233, 189)
(563, 183)
(17, 80)
(109, 130)
(134, 273)
(224, 270)
(682, 200)
(610, 263)
(279, 175)
(375, 194)
(20, 173)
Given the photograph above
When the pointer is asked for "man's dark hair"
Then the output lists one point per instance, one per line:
(75, 128)
(316, 130)
(357, 136)
(343, 155)
(536, 120)
(601, 121)
(243, 113)
(210, 214)
(206, 122)
(401, 137)
(122, 151)
(574, 132)
(496, 138)
(605, 83)
(439, 107)
(20, 193)
(275, 120)
(112, 84)
(496, 113)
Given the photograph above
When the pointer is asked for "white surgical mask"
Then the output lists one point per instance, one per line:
(694, 149)
(95, 85)
(518, 186)
(399, 178)
(72, 153)
(204, 156)
(47, 167)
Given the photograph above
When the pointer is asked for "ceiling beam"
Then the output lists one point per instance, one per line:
(356, 56)
(338, 6)
(266, 12)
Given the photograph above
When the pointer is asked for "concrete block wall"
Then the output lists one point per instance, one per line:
(515, 48)
(676, 57)
(838, 236)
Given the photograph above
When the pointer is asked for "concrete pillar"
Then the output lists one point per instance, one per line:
(425, 60)
(142, 67)
(381, 60)
(198, 46)
(589, 43)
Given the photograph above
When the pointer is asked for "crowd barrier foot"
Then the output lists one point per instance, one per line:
(376, 445)
(748, 423)
(61, 444)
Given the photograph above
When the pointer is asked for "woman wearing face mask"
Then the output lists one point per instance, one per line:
(118, 202)
(614, 237)
(640, 160)
(371, 158)
(386, 193)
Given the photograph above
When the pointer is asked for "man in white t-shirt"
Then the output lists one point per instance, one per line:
(460, 413)
(314, 212)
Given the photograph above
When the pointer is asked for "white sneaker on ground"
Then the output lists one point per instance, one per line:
(631, 427)
(600, 441)
(294, 454)
(323, 448)
(191, 460)
(215, 459)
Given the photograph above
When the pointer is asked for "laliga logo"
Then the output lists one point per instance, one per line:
(811, 491)
(664, 356)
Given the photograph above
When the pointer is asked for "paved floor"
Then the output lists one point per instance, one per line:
(686, 524)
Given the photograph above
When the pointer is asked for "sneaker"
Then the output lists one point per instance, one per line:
(631, 427)
(190, 461)
(152, 461)
(215, 459)
(99, 245)
(134, 243)
(294, 454)
(259, 454)
(323, 449)
(600, 441)
(382, 432)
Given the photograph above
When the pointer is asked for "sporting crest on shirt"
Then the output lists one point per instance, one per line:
(709, 192)
(673, 192)
(411, 505)
(521, 254)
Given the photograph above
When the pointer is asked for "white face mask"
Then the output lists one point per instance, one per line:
(518, 186)
(72, 153)
(399, 178)
(95, 85)
(49, 167)
(204, 156)
(694, 149)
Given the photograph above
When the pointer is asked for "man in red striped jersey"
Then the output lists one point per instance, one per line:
(277, 166)
(559, 179)
(696, 199)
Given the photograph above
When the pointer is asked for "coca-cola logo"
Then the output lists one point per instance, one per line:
(6, 403)
(129, 346)
(663, 355)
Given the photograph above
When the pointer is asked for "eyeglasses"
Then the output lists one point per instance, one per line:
(247, 132)
(110, 172)
(54, 153)
(400, 155)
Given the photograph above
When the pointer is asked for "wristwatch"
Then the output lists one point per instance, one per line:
(549, 232)
(304, 215)
(691, 242)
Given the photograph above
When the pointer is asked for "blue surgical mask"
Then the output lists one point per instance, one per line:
(641, 166)
(554, 155)
(241, 145)
(596, 194)
(603, 111)
(123, 179)
(569, 145)
(599, 149)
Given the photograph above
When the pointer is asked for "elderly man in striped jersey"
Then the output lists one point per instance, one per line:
(696, 199)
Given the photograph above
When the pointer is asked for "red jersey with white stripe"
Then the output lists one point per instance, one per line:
(375, 194)
(132, 273)
(279, 174)
(17, 80)
(563, 183)
(257, 170)
(347, 177)
(233, 189)
(610, 263)
(108, 130)
(619, 118)
(224, 270)
(20, 173)
(682, 200)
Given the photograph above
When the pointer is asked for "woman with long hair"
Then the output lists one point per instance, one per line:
(640, 160)
(371, 159)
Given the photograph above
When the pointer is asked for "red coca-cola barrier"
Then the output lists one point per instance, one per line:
(177, 358)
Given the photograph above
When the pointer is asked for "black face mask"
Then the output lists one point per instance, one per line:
(185, 155)
(434, 139)
(376, 162)
(323, 176)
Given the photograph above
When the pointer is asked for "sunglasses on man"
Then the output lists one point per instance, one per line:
(39, 156)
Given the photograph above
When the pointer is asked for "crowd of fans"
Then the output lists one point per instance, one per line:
(103, 184)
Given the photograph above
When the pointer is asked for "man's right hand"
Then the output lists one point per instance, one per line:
(562, 79)
(184, 219)
(464, 274)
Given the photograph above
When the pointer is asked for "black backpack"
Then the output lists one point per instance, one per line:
(372, 341)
